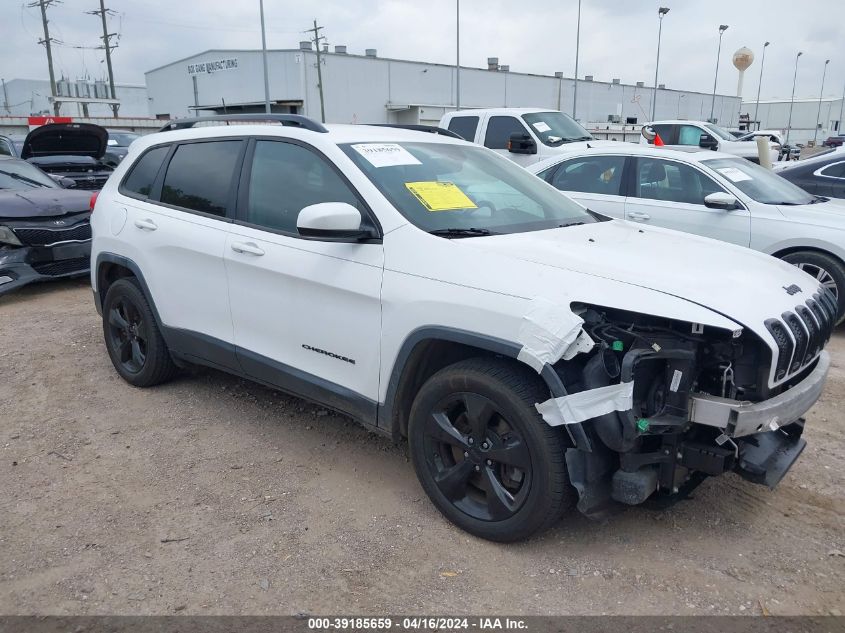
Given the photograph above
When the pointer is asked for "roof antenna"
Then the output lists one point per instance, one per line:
(589, 146)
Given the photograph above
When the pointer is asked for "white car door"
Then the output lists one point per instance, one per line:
(593, 180)
(671, 193)
(303, 308)
(176, 226)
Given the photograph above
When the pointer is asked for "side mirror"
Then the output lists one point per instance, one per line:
(706, 141)
(648, 133)
(332, 221)
(721, 200)
(521, 144)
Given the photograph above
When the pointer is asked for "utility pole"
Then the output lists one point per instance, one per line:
(264, 60)
(108, 47)
(317, 39)
(577, 51)
(43, 4)
(458, 55)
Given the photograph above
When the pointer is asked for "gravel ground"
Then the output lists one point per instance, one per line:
(212, 495)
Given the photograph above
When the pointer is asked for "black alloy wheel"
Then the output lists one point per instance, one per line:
(482, 452)
(478, 461)
(133, 340)
(128, 335)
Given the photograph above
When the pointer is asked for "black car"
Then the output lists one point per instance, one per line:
(70, 150)
(118, 146)
(45, 230)
(820, 175)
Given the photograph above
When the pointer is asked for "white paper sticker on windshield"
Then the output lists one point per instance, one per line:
(734, 174)
(541, 126)
(385, 154)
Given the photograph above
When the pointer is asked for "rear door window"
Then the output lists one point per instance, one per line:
(200, 176)
(689, 135)
(142, 176)
(499, 130)
(591, 174)
(464, 126)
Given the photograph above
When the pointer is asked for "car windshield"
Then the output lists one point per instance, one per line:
(758, 183)
(721, 133)
(463, 190)
(122, 139)
(556, 128)
(19, 175)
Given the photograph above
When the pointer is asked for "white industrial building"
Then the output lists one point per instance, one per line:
(773, 114)
(370, 89)
(30, 97)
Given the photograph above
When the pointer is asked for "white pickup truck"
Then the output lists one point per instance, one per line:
(524, 135)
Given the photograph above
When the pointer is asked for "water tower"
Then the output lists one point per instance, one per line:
(743, 58)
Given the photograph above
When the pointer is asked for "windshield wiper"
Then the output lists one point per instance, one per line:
(817, 199)
(470, 232)
(12, 174)
(563, 226)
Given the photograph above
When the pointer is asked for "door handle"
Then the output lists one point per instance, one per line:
(638, 216)
(146, 224)
(248, 248)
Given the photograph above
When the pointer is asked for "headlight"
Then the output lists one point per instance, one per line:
(8, 237)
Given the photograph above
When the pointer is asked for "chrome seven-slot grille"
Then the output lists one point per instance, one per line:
(801, 334)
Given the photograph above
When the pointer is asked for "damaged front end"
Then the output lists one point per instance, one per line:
(655, 406)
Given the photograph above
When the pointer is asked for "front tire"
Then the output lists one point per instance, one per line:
(133, 340)
(484, 455)
(827, 271)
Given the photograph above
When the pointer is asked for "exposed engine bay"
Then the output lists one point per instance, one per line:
(656, 446)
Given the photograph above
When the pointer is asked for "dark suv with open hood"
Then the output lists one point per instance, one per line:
(45, 231)
(70, 150)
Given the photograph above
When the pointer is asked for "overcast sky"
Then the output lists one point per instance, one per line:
(618, 37)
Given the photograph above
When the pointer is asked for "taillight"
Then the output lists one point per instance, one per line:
(93, 200)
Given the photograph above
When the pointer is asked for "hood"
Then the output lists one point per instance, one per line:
(46, 202)
(66, 139)
(830, 214)
(738, 283)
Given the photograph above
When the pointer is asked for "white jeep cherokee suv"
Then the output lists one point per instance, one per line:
(535, 355)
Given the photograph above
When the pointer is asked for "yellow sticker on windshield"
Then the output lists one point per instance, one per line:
(440, 196)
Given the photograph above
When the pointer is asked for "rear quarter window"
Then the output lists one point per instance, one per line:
(142, 175)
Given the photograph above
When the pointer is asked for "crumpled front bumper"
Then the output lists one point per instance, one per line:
(29, 264)
(740, 418)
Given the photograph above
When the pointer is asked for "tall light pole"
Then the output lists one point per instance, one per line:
(760, 83)
(660, 12)
(722, 29)
(841, 111)
(821, 92)
(264, 59)
(792, 98)
(458, 54)
(577, 50)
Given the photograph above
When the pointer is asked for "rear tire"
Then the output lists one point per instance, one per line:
(484, 455)
(133, 340)
(826, 270)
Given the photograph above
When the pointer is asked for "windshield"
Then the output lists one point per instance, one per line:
(439, 186)
(19, 175)
(717, 131)
(759, 183)
(556, 128)
(122, 139)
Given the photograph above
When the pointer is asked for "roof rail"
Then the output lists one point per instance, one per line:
(290, 120)
(433, 129)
